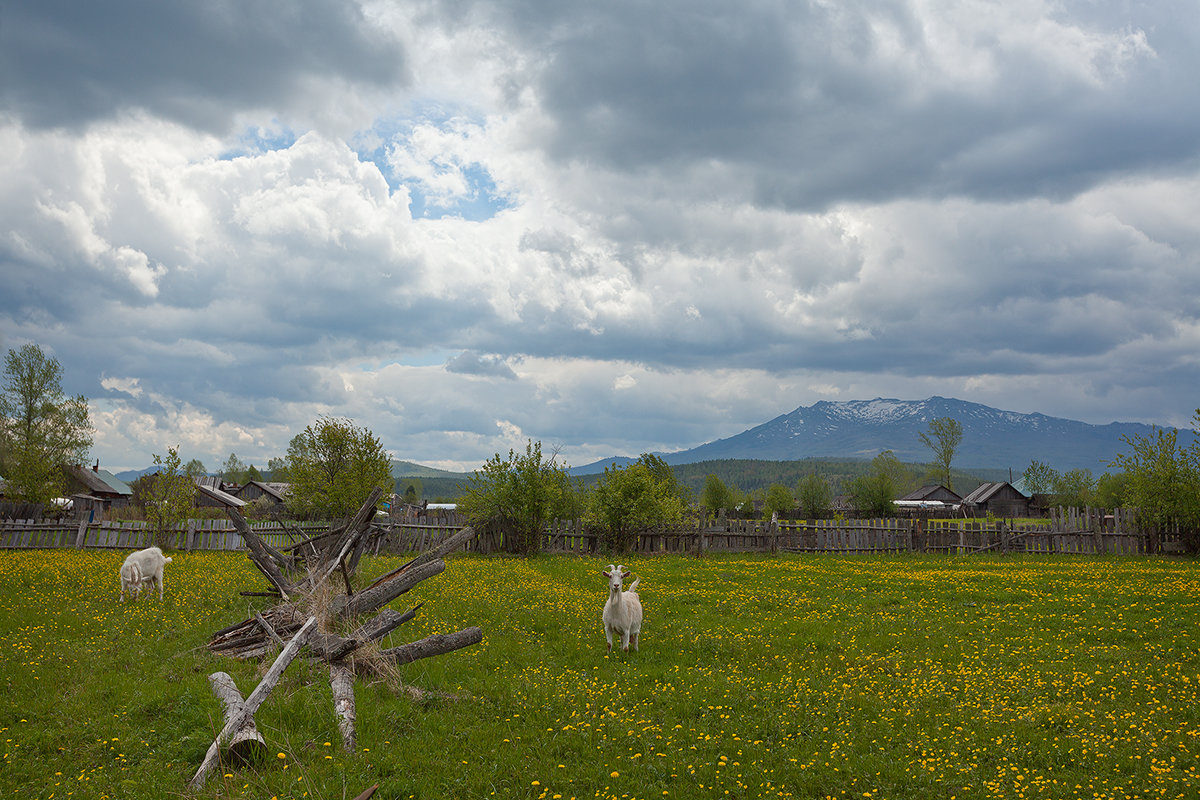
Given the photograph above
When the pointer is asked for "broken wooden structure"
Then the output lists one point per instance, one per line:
(313, 581)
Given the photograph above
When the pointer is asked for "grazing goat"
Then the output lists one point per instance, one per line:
(144, 566)
(623, 611)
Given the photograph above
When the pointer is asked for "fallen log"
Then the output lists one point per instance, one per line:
(246, 745)
(237, 720)
(382, 592)
(435, 645)
(341, 683)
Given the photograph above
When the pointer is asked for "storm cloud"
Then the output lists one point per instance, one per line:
(614, 228)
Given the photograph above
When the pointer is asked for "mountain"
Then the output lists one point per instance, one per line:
(992, 439)
(409, 469)
(130, 475)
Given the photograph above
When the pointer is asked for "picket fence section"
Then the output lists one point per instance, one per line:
(1081, 532)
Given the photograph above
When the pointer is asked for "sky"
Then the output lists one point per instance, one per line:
(613, 228)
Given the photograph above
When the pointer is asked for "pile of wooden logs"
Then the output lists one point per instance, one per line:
(313, 580)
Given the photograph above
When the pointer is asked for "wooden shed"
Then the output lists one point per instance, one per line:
(276, 493)
(1001, 499)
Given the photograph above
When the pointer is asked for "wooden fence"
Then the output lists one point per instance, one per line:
(1087, 532)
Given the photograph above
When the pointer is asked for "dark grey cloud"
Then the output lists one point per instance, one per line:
(475, 364)
(817, 104)
(65, 64)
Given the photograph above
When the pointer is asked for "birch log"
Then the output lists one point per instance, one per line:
(256, 699)
(246, 745)
(341, 682)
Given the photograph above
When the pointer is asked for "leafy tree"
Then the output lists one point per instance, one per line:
(412, 491)
(234, 470)
(779, 500)
(873, 493)
(277, 469)
(1074, 488)
(195, 469)
(41, 429)
(521, 494)
(815, 495)
(171, 495)
(1164, 481)
(630, 498)
(943, 438)
(1039, 478)
(665, 474)
(716, 496)
(333, 466)
(1111, 490)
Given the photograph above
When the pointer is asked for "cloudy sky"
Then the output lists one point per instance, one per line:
(611, 227)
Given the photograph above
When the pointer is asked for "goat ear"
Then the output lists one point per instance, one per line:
(626, 574)
(607, 574)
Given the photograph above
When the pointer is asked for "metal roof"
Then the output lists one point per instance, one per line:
(99, 480)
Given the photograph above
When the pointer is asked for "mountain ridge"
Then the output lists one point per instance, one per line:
(992, 438)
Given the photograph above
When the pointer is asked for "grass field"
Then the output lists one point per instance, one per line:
(794, 676)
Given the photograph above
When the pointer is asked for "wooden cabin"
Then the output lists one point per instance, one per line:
(1000, 499)
(93, 490)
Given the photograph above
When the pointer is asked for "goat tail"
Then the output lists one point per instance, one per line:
(167, 560)
(633, 586)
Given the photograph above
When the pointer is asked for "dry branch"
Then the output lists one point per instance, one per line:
(435, 645)
(384, 623)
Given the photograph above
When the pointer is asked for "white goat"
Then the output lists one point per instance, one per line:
(144, 566)
(623, 610)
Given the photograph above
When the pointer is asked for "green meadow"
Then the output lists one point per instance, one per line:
(789, 676)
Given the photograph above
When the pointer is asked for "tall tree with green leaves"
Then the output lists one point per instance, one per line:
(630, 498)
(716, 496)
(520, 494)
(333, 466)
(1163, 481)
(171, 496)
(943, 437)
(779, 499)
(1039, 478)
(874, 492)
(41, 428)
(815, 495)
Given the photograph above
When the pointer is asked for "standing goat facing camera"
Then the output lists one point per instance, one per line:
(623, 610)
(144, 566)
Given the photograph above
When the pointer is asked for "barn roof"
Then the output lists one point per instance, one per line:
(99, 480)
(926, 492)
(986, 491)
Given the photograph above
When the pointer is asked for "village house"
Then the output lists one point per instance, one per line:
(275, 493)
(1000, 499)
(93, 490)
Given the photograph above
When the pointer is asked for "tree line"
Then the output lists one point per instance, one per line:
(333, 465)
